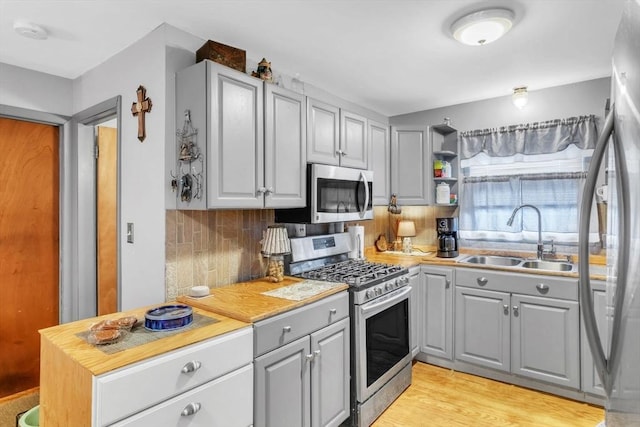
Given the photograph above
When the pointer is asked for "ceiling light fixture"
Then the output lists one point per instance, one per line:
(520, 97)
(29, 30)
(482, 27)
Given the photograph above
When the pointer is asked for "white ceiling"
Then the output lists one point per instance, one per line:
(393, 56)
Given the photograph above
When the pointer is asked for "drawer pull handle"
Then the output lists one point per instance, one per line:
(516, 313)
(506, 309)
(482, 281)
(333, 311)
(542, 288)
(192, 366)
(286, 329)
(191, 409)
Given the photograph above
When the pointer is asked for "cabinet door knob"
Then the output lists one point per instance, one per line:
(316, 354)
(192, 366)
(262, 190)
(191, 409)
(309, 357)
(447, 283)
(333, 311)
(482, 281)
(506, 309)
(286, 329)
(269, 190)
(515, 311)
(542, 288)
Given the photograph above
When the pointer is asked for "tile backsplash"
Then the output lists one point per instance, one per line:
(220, 247)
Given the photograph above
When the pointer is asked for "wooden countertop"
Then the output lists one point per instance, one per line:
(97, 362)
(429, 256)
(244, 301)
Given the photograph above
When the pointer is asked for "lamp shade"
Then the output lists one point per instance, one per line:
(276, 241)
(406, 229)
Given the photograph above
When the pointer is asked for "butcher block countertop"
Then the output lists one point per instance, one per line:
(427, 255)
(245, 301)
(65, 338)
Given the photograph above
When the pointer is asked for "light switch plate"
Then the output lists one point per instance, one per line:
(129, 232)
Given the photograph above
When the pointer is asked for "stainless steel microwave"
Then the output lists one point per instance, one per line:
(334, 194)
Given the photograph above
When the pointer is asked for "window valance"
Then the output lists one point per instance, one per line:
(533, 138)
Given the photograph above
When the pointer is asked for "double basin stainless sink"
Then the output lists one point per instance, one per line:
(507, 261)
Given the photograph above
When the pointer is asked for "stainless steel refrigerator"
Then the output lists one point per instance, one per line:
(618, 360)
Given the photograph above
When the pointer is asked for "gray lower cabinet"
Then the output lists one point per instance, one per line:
(304, 382)
(590, 379)
(414, 309)
(436, 307)
(529, 335)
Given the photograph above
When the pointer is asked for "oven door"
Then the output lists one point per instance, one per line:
(381, 341)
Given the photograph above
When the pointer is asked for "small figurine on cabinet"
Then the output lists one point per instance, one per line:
(264, 71)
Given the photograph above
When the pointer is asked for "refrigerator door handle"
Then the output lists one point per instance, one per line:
(586, 297)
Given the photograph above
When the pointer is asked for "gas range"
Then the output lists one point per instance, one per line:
(325, 258)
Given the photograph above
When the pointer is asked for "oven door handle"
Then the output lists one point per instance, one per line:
(388, 299)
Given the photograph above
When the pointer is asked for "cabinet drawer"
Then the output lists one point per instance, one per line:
(226, 401)
(129, 390)
(287, 327)
(526, 284)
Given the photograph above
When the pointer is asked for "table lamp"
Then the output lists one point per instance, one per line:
(406, 230)
(275, 245)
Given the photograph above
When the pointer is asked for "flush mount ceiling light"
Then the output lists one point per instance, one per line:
(520, 97)
(29, 30)
(482, 27)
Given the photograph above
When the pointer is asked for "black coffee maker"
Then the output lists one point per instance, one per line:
(447, 237)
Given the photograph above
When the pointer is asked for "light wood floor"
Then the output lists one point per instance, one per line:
(442, 397)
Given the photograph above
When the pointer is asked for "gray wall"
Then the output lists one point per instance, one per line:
(559, 102)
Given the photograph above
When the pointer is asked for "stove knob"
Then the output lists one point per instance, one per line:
(398, 282)
(378, 291)
(369, 294)
(389, 286)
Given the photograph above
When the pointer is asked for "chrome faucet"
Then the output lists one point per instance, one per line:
(540, 251)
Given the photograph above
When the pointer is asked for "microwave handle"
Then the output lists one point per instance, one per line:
(363, 178)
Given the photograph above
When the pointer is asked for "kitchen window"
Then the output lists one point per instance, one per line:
(541, 164)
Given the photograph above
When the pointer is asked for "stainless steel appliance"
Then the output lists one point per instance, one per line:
(447, 229)
(334, 194)
(618, 363)
(379, 309)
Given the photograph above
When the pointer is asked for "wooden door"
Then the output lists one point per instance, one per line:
(107, 193)
(29, 248)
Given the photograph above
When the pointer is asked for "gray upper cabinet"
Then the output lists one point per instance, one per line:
(354, 145)
(285, 148)
(323, 132)
(380, 162)
(233, 112)
(410, 168)
(336, 136)
(524, 324)
(436, 307)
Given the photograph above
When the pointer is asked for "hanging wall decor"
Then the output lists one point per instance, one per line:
(139, 109)
(187, 180)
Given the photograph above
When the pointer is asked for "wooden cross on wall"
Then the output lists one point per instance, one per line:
(139, 109)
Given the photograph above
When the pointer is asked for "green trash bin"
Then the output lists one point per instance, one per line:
(31, 418)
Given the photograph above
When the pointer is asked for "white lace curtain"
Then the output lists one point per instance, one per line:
(542, 164)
